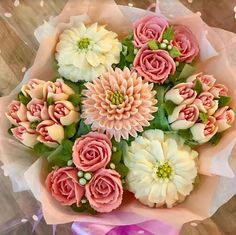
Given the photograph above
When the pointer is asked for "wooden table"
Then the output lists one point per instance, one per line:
(17, 50)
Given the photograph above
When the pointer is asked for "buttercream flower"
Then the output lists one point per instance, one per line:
(224, 118)
(182, 93)
(64, 186)
(206, 103)
(162, 169)
(16, 112)
(219, 90)
(25, 134)
(57, 90)
(84, 53)
(63, 112)
(92, 151)
(202, 133)
(37, 110)
(147, 28)
(207, 81)
(183, 117)
(50, 133)
(104, 191)
(154, 65)
(186, 42)
(119, 103)
(33, 89)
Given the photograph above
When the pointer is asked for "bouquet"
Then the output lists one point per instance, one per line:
(121, 118)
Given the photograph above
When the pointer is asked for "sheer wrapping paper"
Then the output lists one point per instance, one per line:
(216, 162)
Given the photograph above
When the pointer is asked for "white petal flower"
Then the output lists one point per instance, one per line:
(162, 169)
(84, 53)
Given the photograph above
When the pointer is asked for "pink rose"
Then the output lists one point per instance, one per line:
(33, 89)
(64, 187)
(206, 103)
(63, 112)
(149, 27)
(92, 151)
(16, 112)
(224, 118)
(154, 65)
(25, 134)
(182, 93)
(50, 133)
(219, 90)
(57, 90)
(37, 110)
(207, 81)
(183, 117)
(202, 133)
(104, 191)
(186, 42)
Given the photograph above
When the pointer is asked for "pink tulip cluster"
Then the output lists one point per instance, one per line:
(190, 106)
(89, 179)
(39, 120)
(156, 63)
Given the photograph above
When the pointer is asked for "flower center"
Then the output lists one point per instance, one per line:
(117, 98)
(83, 43)
(164, 171)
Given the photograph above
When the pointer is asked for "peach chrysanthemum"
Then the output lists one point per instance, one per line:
(119, 103)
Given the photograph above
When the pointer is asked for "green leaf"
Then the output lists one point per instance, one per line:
(203, 117)
(75, 99)
(215, 139)
(42, 149)
(77, 87)
(33, 125)
(67, 146)
(169, 106)
(198, 86)
(70, 130)
(122, 169)
(116, 157)
(23, 99)
(83, 128)
(185, 134)
(187, 71)
(191, 143)
(224, 101)
(152, 44)
(174, 52)
(169, 33)
(50, 101)
(84, 207)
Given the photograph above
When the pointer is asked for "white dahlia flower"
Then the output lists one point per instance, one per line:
(162, 170)
(84, 53)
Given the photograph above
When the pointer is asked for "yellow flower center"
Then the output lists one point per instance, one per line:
(164, 171)
(117, 98)
(83, 43)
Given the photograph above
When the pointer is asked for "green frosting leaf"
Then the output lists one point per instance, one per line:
(174, 52)
(191, 143)
(169, 33)
(50, 101)
(42, 149)
(185, 134)
(224, 101)
(77, 87)
(152, 44)
(84, 207)
(203, 117)
(83, 128)
(75, 99)
(23, 99)
(169, 106)
(33, 125)
(187, 71)
(116, 156)
(215, 139)
(122, 169)
(198, 86)
(70, 130)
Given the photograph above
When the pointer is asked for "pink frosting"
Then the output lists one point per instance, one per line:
(64, 187)
(149, 27)
(219, 90)
(154, 65)
(92, 151)
(186, 42)
(104, 191)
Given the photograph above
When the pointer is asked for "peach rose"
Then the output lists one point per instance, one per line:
(92, 151)
(202, 133)
(37, 110)
(63, 112)
(64, 187)
(16, 112)
(147, 28)
(25, 134)
(50, 133)
(186, 42)
(182, 93)
(154, 65)
(183, 117)
(206, 103)
(104, 191)
(57, 90)
(224, 118)
(33, 89)
(219, 90)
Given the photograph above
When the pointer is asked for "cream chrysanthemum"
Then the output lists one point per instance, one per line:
(162, 169)
(119, 103)
(84, 53)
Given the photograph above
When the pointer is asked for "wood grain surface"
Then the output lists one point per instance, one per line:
(17, 50)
